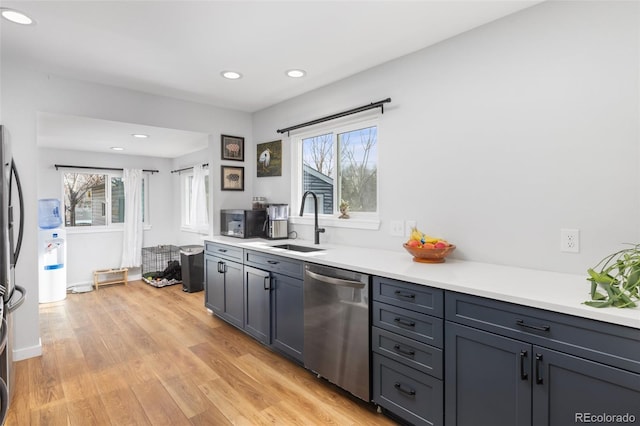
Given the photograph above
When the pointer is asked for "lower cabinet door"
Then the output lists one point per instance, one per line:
(214, 284)
(233, 293)
(257, 309)
(407, 393)
(288, 316)
(570, 390)
(488, 378)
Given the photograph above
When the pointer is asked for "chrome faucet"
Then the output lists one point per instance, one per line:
(316, 229)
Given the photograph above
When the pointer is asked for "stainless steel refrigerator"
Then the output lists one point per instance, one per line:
(13, 295)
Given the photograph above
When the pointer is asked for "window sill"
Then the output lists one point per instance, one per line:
(193, 231)
(333, 222)
(97, 229)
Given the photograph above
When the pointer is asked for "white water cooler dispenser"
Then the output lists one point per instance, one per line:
(52, 253)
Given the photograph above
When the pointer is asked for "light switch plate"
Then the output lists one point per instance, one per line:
(396, 228)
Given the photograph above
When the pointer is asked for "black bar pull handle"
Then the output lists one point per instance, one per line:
(273, 262)
(404, 389)
(404, 322)
(405, 294)
(219, 267)
(521, 323)
(523, 373)
(538, 362)
(222, 250)
(267, 283)
(407, 352)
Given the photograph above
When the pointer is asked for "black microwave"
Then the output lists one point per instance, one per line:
(243, 223)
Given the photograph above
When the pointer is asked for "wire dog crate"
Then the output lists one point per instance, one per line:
(159, 264)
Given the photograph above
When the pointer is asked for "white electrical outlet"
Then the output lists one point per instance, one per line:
(570, 240)
(408, 226)
(396, 228)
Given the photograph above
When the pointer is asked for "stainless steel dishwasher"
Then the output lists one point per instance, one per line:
(336, 327)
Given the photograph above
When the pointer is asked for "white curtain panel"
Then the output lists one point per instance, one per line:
(199, 216)
(132, 235)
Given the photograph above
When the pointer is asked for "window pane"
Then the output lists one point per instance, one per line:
(84, 199)
(117, 200)
(317, 171)
(359, 169)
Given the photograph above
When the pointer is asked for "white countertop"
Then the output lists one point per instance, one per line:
(553, 291)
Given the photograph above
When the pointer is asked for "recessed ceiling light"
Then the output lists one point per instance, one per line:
(15, 16)
(117, 148)
(231, 75)
(296, 73)
(140, 135)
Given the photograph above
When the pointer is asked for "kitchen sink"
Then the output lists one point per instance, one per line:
(294, 247)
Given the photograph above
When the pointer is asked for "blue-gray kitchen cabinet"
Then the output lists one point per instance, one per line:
(287, 315)
(274, 304)
(507, 364)
(258, 303)
(224, 288)
(484, 383)
(407, 339)
(213, 284)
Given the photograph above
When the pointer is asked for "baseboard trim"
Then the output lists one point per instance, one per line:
(132, 277)
(26, 353)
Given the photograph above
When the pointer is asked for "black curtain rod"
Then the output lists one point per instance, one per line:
(187, 168)
(63, 166)
(379, 104)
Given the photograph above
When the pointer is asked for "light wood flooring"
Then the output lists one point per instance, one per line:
(139, 355)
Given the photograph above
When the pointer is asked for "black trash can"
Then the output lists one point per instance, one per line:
(192, 261)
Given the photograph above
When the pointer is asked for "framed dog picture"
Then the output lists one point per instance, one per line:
(232, 178)
(269, 155)
(232, 148)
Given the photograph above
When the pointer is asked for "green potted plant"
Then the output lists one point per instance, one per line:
(615, 280)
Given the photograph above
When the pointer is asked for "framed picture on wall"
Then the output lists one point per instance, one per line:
(232, 178)
(269, 155)
(232, 147)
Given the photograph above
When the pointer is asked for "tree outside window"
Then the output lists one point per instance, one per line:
(92, 199)
(84, 198)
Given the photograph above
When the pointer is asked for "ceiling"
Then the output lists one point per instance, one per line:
(91, 134)
(179, 48)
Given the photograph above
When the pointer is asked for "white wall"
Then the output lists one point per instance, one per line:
(500, 137)
(25, 92)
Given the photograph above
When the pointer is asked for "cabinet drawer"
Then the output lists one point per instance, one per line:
(416, 297)
(269, 262)
(412, 353)
(599, 341)
(407, 393)
(420, 327)
(223, 250)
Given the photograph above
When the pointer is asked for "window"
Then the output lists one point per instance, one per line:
(92, 199)
(339, 165)
(186, 178)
